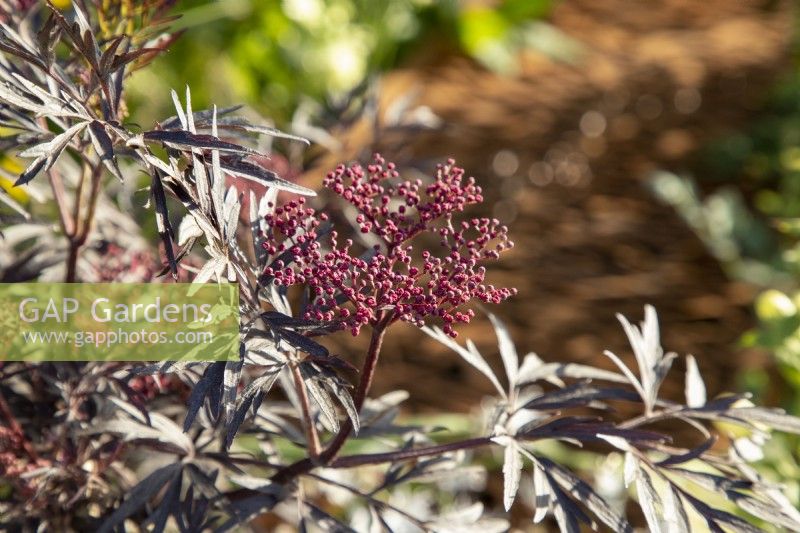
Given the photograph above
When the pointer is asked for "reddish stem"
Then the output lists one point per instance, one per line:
(308, 420)
(82, 225)
(351, 461)
(367, 374)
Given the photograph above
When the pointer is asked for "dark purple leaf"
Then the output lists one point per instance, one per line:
(582, 492)
(694, 453)
(162, 221)
(140, 495)
(210, 382)
(259, 174)
(257, 387)
(201, 118)
(579, 395)
(187, 140)
(104, 147)
(720, 518)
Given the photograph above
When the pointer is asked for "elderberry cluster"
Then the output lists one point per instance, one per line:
(391, 282)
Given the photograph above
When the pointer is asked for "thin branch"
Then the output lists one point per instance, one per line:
(352, 461)
(308, 420)
(57, 186)
(304, 466)
(84, 222)
(649, 418)
(367, 373)
(364, 384)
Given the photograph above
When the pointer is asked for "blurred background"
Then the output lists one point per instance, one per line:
(641, 152)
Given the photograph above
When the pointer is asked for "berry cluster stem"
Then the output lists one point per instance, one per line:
(302, 466)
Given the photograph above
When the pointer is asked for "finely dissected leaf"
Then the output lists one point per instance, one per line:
(217, 177)
(11, 48)
(231, 208)
(567, 513)
(56, 144)
(203, 482)
(541, 493)
(690, 455)
(39, 164)
(47, 153)
(55, 109)
(140, 495)
(339, 389)
(508, 351)
(242, 124)
(161, 429)
(321, 398)
(695, 388)
(188, 140)
(258, 387)
(582, 492)
(104, 147)
(52, 103)
(713, 482)
(586, 429)
(446, 469)
(512, 471)
(771, 493)
(423, 470)
(121, 60)
(10, 202)
(162, 222)
(212, 267)
(263, 176)
(653, 363)
(107, 57)
(630, 469)
(674, 511)
(264, 350)
(244, 510)
(212, 380)
(47, 39)
(648, 500)
(634, 381)
(717, 517)
(155, 162)
(230, 383)
(765, 510)
(202, 119)
(773, 418)
(534, 369)
(301, 342)
(179, 109)
(470, 355)
(189, 114)
(169, 505)
(189, 229)
(577, 395)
